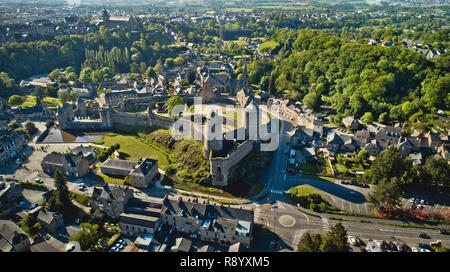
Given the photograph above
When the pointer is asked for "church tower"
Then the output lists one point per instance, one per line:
(105, 15)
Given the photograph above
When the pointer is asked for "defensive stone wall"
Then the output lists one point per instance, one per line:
(220, 167)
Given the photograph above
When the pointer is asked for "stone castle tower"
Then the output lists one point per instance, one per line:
(251, 121)
(210, 142)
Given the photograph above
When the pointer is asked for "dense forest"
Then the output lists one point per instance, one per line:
(374, 82)
(93, 56)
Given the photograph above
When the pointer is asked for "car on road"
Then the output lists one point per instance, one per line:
(437, 243)
(355, 194)
(424, 235)
(38, 180)
(444, 232)
(352, 240)
(358, 240)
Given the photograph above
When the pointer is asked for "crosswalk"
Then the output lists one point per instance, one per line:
(277, 192)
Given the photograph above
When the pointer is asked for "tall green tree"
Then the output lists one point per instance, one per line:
(336, 240)
(386, 194)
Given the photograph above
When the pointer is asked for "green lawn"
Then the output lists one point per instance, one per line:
(302, 190)
(31, 101)
(134, 149)
(307, 168)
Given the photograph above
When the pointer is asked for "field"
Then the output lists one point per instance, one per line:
(31, 101)
(134, 149)
(303, 191)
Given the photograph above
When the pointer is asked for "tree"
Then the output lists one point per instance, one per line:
(312, 100)
(54, 75)
(15, 100)
(29, 127)
(172, 102)
(336, 240)
(51, 91)
(65, 95)
(190, 75)
(388, 164)
(87, 236)
(310, 243)
(13, 125)
(60, 198)
(436, 171)
(150, 73)
(159, 66)
(367, 118)
(363, 155)
(39, 93)
(386, 194)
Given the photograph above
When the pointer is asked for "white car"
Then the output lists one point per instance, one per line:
(413, 249)
(352, 240)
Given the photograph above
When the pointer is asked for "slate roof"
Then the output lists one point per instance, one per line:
(138, 219)
(183, 244)
(62, 159)
(144, 167)
(119, 164)
(175, 207)
(47, 216)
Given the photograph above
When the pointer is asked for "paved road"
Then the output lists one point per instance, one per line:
(291, 233)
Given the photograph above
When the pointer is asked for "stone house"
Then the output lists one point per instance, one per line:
(211, 223)
(182, 245)
(116, 167)
(10, 146)
(12, 238)
(141, 217)
(69, 165)
(51, 221)
(351, 121)
(111, 199)
(10, 193)
(88, 153)
(141, 173)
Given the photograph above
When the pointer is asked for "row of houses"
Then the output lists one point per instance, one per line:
(202, 220)
(10, 146)
(374, 138)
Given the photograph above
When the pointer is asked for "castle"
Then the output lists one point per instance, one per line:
(224, 152)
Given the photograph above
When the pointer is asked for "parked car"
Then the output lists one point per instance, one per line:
(352, 240)
(437, 243)
(358, 240)
(422, 202)
(413, 249)
(424, 235)
(38, 180)
(412, 200)
(444, 232)
(420, 206)
(21, 204)
(424, 250)
(422, 245)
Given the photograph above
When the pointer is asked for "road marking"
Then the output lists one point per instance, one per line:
(277, 192)
(359, 209)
